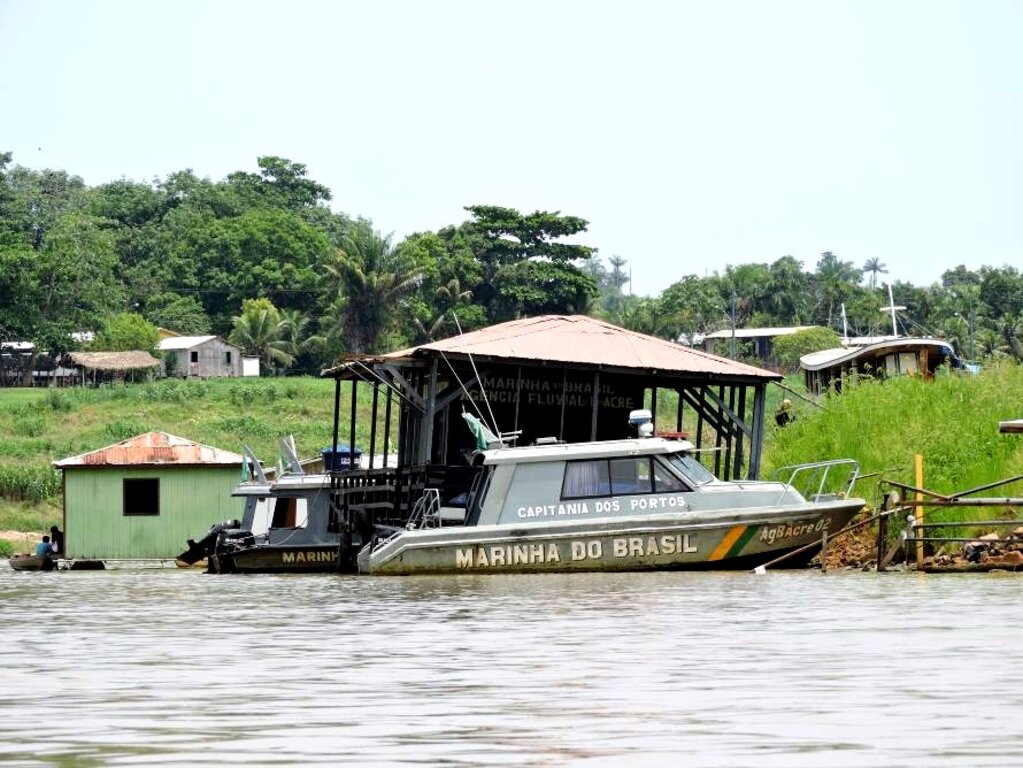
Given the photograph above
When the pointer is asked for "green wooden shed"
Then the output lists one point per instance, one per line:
(144, 497)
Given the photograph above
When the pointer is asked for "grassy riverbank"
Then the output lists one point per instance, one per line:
(38, 426)
(952, 421)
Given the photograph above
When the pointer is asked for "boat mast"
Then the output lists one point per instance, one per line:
(891, 306)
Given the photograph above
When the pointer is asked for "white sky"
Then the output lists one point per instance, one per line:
(691, 135)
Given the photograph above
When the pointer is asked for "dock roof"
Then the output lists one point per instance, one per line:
(574, 340)
(154, 449)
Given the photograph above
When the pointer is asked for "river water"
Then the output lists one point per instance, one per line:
(168, 667)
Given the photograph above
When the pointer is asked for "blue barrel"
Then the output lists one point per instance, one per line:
(342, 459)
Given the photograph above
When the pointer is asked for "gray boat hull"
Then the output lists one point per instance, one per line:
(724, 540)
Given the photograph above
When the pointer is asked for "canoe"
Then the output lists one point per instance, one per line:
(27, 562)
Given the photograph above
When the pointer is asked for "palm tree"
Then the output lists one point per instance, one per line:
(449, 296)
(989, 343)
(875, 268)
(258, 330)
(835, 280)
(372, 281)
(293, 323)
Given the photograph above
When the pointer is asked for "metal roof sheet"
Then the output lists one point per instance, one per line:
(183, 342)
(581, 340)
(153, 448)
(756, 333)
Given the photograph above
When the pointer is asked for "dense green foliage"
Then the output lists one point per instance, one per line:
(186, 253)
(191, 255)
(788, 349)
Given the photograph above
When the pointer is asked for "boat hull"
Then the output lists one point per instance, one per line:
(32, 563)
(278, 559)
(736, 542)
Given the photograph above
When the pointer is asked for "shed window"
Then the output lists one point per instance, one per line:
(194, 356)
(141, 497)
(227, 357)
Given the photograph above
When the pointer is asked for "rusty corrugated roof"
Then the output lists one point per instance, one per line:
(579, 339)
(153, 448)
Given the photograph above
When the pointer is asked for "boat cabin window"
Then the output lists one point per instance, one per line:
(289, 513)
(618, 477)
(691, 468)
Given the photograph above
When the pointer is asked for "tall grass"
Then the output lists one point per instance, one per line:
(30, 483)
(952, 421)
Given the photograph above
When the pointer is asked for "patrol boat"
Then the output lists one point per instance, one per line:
(286, 527)
(637, 504)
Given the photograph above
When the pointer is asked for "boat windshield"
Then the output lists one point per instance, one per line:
(691, 468)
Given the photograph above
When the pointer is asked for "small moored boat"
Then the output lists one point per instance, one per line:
(285, 528)
(28, 562)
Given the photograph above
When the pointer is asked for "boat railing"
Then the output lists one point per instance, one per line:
(820, 480)
(426, 512)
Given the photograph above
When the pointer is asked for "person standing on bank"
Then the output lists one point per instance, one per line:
(57, 540)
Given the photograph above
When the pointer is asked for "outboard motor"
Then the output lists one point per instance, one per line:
(205, 547)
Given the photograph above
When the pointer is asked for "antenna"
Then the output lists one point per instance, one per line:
(483, 390)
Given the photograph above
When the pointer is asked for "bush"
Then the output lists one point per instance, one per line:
(57, 401)
(6, 550)
(788, 349)
(122, 429)
(175, 391)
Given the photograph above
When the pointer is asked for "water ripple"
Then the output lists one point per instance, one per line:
(787, 669)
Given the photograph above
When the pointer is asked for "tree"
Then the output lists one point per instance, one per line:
(789, 299)
(689, 308)
(181, 314)
(280, 183)
(502, 241)
(259, 331)
(643, 315)
(835, 280)
(875, 268)
(540, 288)
(76, 272)
(126, 331)
(372, 281)
(451, 303)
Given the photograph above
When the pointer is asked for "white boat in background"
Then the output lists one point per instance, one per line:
(879, 356)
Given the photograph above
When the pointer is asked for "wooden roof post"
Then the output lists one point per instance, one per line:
(426, 436)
